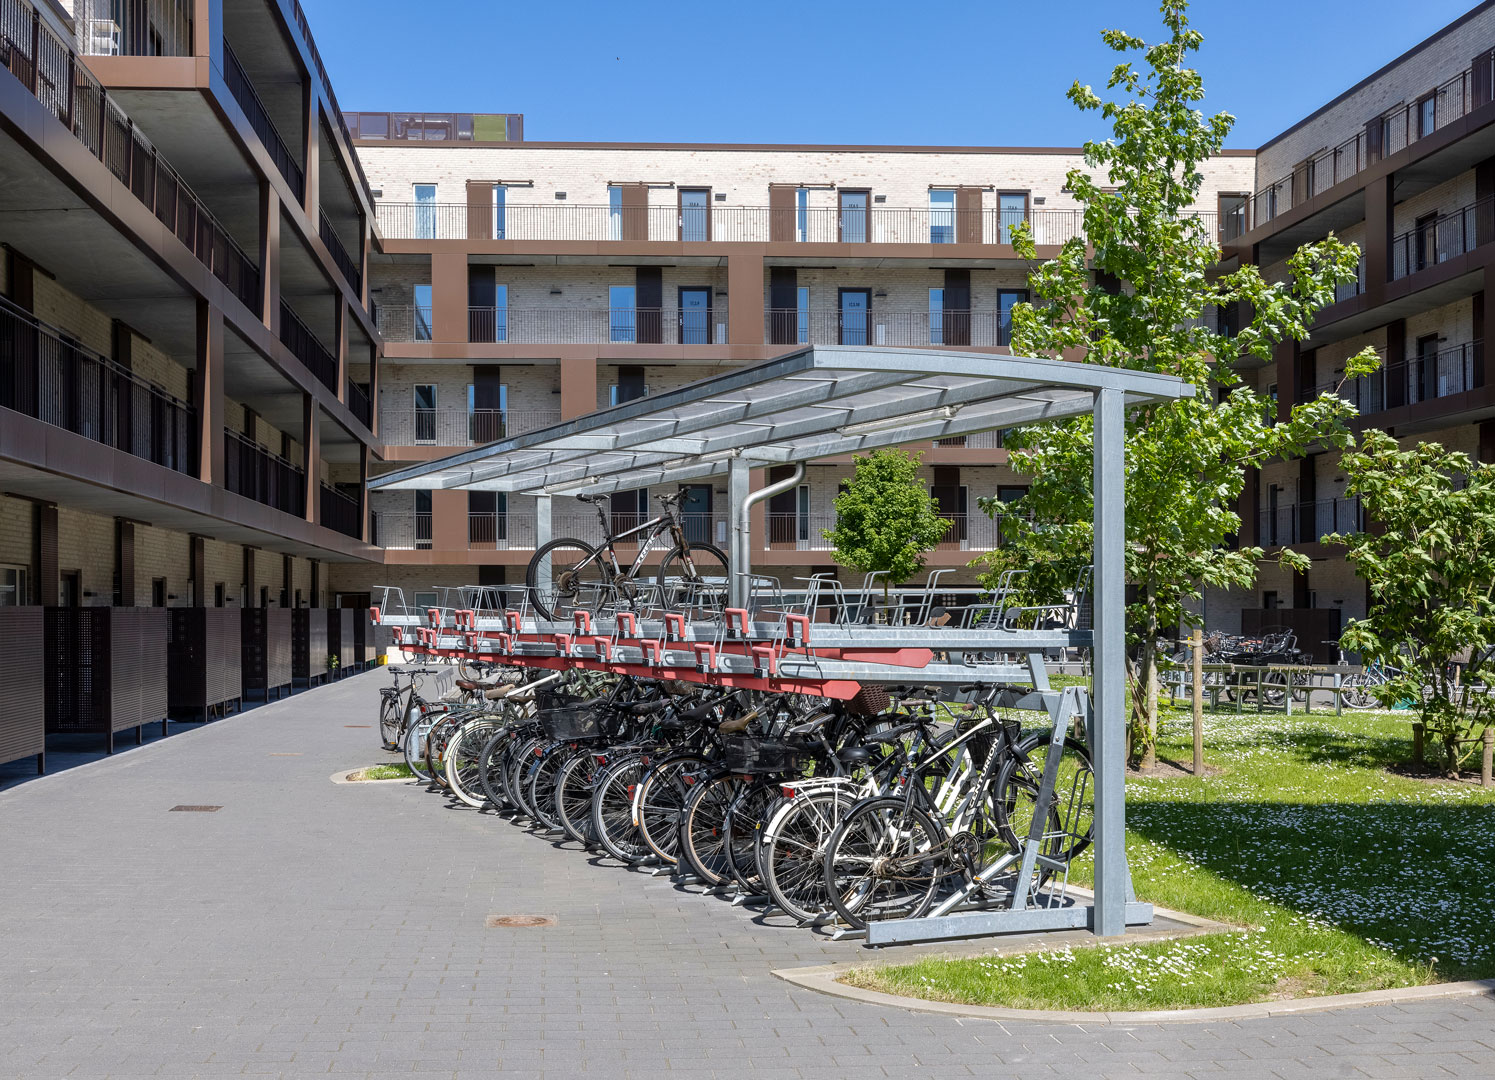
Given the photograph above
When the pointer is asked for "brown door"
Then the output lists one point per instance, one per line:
(781, 213)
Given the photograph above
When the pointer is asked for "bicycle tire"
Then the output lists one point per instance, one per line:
(881, 862)
(612, 810)
(544, 597)
(415, 741)
(573, 797)
(744, 824)
(543, 776)
(710, 580)
(1070, 828)
(464, 758)
(794, 852)
(703, 836)
(492, 759)
(391, 720)
(659, 806)
(518, 773)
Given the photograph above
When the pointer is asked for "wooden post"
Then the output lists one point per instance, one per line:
(1417, 744)
(1487, 761)
(1198, 651)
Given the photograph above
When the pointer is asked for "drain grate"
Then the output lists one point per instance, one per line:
(495, 921)
(197, 809)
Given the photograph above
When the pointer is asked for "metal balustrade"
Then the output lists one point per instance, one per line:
(140, 28)
(259, 118)
(806, 532)
(501, 532)
(337, 113)
(348, 266)
(256, 473)
(1306, 523)
(1447, 236)
(459, 427)
(46, 375)
(566, 326)
(396, 530)
(51, 70)
(305, 346)
(1449, 371)
(788, 326)
(340, 512)
(358, 403)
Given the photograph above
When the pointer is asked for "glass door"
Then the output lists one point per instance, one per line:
(695, 315)
(425, 211)
(695, 215)
(425, 413)
(854, 216)
(856, 306)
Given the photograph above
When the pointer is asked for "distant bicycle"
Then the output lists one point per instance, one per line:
(569, 575)
(1358, 692)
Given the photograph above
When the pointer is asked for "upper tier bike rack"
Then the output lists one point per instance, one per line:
(810, 404)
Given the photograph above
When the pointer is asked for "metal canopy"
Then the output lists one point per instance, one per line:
(815, 403)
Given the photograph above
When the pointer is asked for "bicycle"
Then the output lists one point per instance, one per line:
(568, 575)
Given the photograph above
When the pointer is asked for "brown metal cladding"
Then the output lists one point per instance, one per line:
(47, 580)
(23, 705)
(479, 210)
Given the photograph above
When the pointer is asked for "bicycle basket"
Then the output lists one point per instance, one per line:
(869, 700)
(748, 755)
(574, 722)
(547, 700)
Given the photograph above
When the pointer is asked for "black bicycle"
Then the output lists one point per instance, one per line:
(569, 575)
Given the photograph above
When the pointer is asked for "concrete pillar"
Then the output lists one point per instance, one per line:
(311, 201)
(740, 552)
(311, 456)
(1110, 705)
(207, 394)
(270, 257)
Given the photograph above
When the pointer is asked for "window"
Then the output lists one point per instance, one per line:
(1269, 601)
(425, 211)
(936, 315)
(1427, 115)
(621, 322)
(424, 400)
(802, 316)
(500, 211)
(423, 602)
(1232, 216)
(1012, 209)
(13, 591)
(628, 509)
(942, 215)
(500, 313)
(1007, 299)
(422, 534)
(695, 215)
(158, 592)
(802, 214)
(630, 385)
(615, 213)
(421, 314)
(489, 423)
(218, 594)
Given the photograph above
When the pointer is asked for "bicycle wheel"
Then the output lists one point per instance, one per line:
(1070, 823)
(794, 852)
(416, 736)
(612, 810)
(566, 576)
(704, 833)
(543, 777)
(390, 717)
(573, 797)
(660, 803)
(464, 758)
(746, 818)
(1356, 692)
(491, 761)
(437, 744)
(699, 581)
(884, 862)
(524, 757)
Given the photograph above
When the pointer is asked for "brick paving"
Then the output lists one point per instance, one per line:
(309, 928)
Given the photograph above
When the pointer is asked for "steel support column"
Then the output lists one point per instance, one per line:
(740, 551)
(1110, 664)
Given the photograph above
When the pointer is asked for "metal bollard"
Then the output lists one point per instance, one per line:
(1198, 650)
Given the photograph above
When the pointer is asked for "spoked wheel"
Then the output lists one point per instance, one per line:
(566, 576)
(694, 580)
(492, 760)
(389, 722)
(1070, 824)
(524, 758)
(660, 804)
(704, 834)
(794, 852)
(884, 862)
(612, 810)
(464, 763)
(1356, 692)
(746, 821)
(543, 777)
(437, 744)
(416, 738)
(573, 797)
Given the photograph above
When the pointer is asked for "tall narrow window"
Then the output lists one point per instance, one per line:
(936, 316)
(630, 385)
(487, 422)
(942, 215)
(425, 211)
(500, 213)
(500, 313)
(1012, 209)
(615, 213)
(622, 320)
(1007, 299)
(422, 529)
(802, 315)
(421, 314)
(424, 401)
(854, 209)
(13, 587)
(1427, 115)
(802, 215)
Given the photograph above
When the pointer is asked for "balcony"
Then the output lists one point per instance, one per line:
(340, 512)
(459, 427)
(501, 532)
(719, 224)
(805, 532)
(984, 329)
(256, 473)
(44, 376)
(259, 119)
(305, 347)
(1445, 237)
(1394, 130)
(565, 326)
(50, 69)
(346, 264)
(358, 404)
(337, 113)
(1441, 374)
(700, 527)
(1306, 523)
(400, 531)
(149, 28)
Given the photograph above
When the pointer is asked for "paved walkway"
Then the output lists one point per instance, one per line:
(308, 928)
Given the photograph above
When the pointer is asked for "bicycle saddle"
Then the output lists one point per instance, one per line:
(853, 755)
(591, 498)
(498, 693)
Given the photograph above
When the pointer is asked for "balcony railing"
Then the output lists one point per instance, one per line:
(337, 113)
(1395, 129)
(305, 347)
(49, 378)
(1306, 523)
(256, 473)
(400, 530)
(1445, 237)
(805, 532)
(51, 70)
(358, 403)
(340, 513)
(459, 427)
(567, 326)
(346, 264)
(784, 326)
(259, 119)
(501, 532)
(702, 527)
(1448, 371)
(142, 28)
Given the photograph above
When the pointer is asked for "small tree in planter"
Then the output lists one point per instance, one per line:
(1431, 570)
(885, 518)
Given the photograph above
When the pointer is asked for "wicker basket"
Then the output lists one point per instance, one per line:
(748, 755)
(574, 722)
(870, 700)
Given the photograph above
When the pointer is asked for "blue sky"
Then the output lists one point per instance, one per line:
(820, 72)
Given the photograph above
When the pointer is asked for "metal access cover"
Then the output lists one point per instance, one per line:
(519, 920)
(197, 809)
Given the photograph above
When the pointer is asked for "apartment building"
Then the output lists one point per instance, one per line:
(1403, 165)
(187, 355)
(520, 283)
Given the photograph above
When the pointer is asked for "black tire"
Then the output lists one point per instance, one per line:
(661, 803)
(390, 722)
(564, 589)
(1071, 819)
(794, 856)
(518, 773)
(543, 777)
(746, 819)
(573, 797)
(703, 836)
(612, 810)
(885, 861)
(491, 761)
(705, 588)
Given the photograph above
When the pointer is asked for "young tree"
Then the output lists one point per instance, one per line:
(885, 518)
(1185, 460)
(1431, 572)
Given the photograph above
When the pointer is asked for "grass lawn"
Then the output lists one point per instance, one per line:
(394, 771)
(1342, 876)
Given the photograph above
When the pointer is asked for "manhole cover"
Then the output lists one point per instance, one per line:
(197, 809)
(520, 920)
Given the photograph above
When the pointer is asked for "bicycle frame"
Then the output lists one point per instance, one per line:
(654, 527)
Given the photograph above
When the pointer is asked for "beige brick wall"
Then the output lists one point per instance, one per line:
(163, 553)
(17, 534)
(85, 543)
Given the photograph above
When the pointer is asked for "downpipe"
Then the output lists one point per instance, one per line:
(742, 544)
